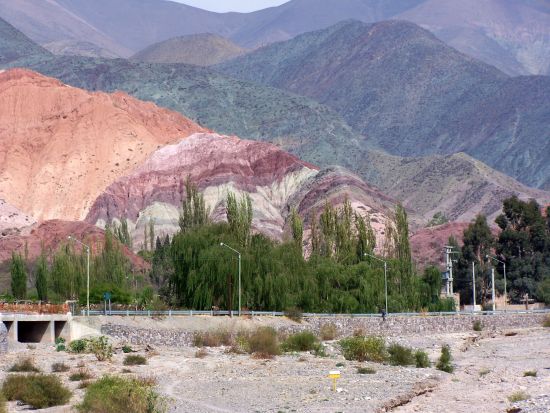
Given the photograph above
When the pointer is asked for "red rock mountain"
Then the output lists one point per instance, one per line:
(61, 146)
(274, 179)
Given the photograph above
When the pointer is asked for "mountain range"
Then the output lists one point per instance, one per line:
(412, 95)
(299, 125)
(513, 35)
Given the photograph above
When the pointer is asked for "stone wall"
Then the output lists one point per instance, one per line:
(3, 338)
(393, 326)
(142, 336)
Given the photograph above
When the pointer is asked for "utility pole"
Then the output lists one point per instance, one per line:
(473, 285)
(493, 286)
(449, 266)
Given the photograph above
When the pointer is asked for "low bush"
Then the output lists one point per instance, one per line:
(421, 359)
(483, 372)
(365, 370)
(294, 313)
(100, 347)
(78, 346)
(81, 375)
(212, 339)
(264, 341)
(477, 326)
(328, 331)
(364, 348)
(201, 353)
(126, 349)
(121, 395)
(60, 344)
(530, 373)
(546, 321)
(445, 360)
(401, 355)
(518, 396)
(59, 368)
(36, 390)
(302, 341)
(25, 365)
(134, 360)
(3, 408)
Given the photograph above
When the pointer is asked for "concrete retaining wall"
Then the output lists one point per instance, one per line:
(3, 338)
(392, 327)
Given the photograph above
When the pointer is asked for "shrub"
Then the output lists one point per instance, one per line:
(25, 365)
(121, 395)
(264, 341)
(518, 396)
(201, 353)
(101, 348)
(546, 321)
(365, 370)
(59, 368)
(421, 358)
(3, 408)
(302, 341)
(82, 374)
(78, 346)
(484, 372)
(134, 360)
(126, 349)
(400, 355)
(444, 362)
(477, 326)
(364, 348)
(60, 344)
(212, 339)
(294, 313)
(530, 373)
(36, 390)
(328, 331)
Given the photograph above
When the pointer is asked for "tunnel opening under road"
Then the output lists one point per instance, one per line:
(33, 331)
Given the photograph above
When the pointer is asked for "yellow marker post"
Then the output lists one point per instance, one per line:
(334, 374)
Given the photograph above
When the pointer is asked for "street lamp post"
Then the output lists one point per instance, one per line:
(70, 238)
(385, 276)
(505, 291)
(239, 254)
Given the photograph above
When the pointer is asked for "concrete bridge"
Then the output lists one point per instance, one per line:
(36, 328)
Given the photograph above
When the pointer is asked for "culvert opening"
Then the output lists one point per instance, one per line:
(59, 329)
(33, 331)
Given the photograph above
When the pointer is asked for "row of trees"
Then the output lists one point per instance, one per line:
(340, 275)
(523, 243)
(62, 275)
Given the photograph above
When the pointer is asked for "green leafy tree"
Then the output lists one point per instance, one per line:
(524, 244)
(239, 217)
(42, 278)
(297, 227)
(122, 233)
(18, 277)
(194, 212)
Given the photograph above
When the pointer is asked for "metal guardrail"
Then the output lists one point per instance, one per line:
(171, 313)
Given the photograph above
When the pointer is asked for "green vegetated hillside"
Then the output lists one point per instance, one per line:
(14, 44)
(203, 49)
(412, 95)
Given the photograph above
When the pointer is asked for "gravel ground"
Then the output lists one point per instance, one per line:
(489, 368)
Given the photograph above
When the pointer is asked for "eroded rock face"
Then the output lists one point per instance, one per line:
(60, 146)
(275, 180)
(13, 221)
(49, 235)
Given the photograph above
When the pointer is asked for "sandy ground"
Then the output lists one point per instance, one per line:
(489, 367)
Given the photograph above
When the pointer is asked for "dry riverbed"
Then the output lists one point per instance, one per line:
(489, 368)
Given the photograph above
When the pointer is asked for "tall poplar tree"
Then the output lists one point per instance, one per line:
(18, 277)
